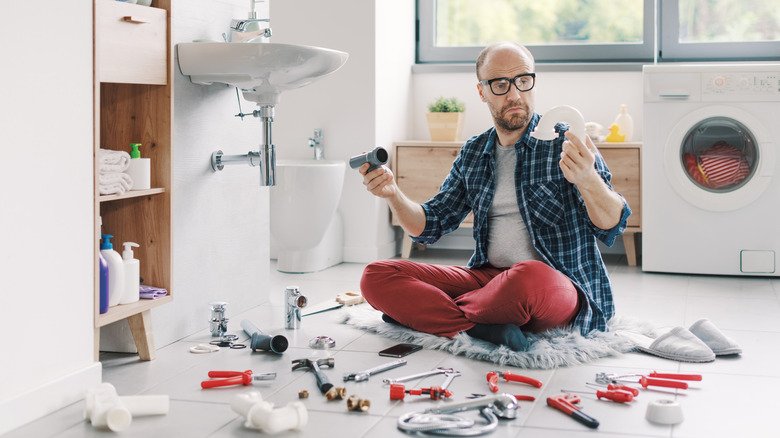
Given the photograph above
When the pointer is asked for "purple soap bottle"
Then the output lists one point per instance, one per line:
(103, 284)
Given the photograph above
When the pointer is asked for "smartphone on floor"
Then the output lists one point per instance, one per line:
(400, 350)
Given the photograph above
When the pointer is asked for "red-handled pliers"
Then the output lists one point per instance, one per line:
(492, 379)
(229, 378)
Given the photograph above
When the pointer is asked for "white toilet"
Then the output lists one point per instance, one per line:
(306, 227)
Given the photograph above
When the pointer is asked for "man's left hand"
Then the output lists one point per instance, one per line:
(578, 160)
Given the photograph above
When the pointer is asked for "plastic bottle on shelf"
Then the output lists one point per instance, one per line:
(132, 282)
(140, 169)
(103, 283)
(116, 270)
(625, 123)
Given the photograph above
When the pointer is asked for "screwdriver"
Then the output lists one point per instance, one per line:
(618, 387)
(615, 395)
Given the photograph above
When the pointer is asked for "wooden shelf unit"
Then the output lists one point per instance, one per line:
(623, 162)
(133, 99)
(421, 166)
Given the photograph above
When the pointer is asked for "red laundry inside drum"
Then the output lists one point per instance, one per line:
(717, 167)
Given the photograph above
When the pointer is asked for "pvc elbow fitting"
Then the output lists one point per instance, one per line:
(104, 408)
(545, 130)
(261, 415)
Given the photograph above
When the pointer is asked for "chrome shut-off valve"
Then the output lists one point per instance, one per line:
(218, 322)
(295, 301)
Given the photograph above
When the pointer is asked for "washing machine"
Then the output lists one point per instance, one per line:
(710, 174)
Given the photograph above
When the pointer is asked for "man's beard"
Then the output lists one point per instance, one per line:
(516, 121)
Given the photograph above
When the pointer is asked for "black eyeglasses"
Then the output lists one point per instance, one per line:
(500, 86)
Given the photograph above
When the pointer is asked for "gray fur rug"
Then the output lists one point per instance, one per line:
(550, 349)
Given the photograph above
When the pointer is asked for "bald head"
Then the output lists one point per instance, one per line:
(502, 46)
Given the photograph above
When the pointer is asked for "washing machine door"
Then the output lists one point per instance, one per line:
(719, 158)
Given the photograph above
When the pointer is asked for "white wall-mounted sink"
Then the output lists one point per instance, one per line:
(261, 70)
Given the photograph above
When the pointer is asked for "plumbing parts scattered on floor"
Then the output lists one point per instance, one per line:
(104, 408)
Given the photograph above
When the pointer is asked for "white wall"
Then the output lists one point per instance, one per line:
(359, 107)
(46, 208)
(220, 219)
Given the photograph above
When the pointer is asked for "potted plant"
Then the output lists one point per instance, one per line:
(445, 119)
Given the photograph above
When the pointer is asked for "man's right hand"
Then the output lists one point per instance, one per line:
(379, 182)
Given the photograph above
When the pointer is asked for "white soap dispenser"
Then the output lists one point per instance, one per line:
(625, 123)
(116, 271)
(132, 280)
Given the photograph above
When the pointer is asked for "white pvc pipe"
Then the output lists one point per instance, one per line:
(545, 130)
(104, 408)
(261, 414)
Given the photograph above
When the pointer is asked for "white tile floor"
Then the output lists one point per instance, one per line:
(737, 396)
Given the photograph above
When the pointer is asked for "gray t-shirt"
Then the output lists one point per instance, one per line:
(508, 238)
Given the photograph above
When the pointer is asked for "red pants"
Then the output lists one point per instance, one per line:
(446, 300)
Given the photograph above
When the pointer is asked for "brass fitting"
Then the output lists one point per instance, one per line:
(303, 394)
(354, 403)
(334, 393)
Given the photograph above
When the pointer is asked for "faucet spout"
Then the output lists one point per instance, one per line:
(239, 32)
(316, 143)
(545, 130)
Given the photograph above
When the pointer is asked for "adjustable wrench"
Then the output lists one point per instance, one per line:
(419, 375)
(364, 375)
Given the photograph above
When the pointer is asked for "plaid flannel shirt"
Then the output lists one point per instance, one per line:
(552, 208)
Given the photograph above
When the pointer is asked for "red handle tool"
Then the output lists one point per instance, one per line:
(565, 404)
(398, 392)
(615, 395)
(618, 387)
(652, 381)
(689, 377)
(230, 378)
(492, 379)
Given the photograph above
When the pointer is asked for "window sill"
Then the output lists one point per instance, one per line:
(540, 67)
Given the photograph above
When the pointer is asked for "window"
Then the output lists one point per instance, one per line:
(558, 31)
(720, 30)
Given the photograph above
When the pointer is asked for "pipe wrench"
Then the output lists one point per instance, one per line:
(364, 375)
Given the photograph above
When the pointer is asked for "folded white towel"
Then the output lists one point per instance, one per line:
(113, 161)
(114, 183)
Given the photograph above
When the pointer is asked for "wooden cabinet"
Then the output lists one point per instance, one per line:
(421, 166)
(133, 102)
(623, 161)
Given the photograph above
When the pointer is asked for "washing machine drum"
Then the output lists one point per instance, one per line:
(718, 158)
(719, 154)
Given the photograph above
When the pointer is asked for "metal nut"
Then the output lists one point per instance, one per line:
(354, 403)
(303, 394)
(334, 393)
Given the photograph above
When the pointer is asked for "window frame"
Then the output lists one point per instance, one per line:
(660, 43)
(427, 52)
(672, 50)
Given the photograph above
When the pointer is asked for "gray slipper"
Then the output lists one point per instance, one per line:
(720, 344)
(678, 344)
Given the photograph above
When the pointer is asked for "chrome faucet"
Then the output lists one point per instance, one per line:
(294, 301)
(238, 32)
(218, 322)
(316, 143)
